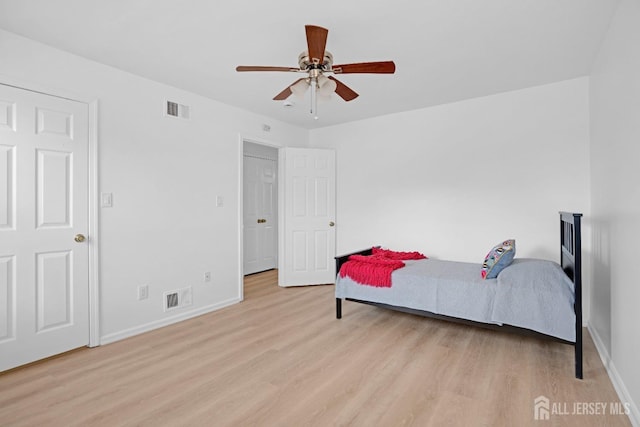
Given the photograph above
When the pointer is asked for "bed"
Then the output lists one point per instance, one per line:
(530, 296)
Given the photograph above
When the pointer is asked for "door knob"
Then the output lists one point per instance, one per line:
(79, 238)
(331, 223)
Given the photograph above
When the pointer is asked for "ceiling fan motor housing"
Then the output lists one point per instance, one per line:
(306, 64)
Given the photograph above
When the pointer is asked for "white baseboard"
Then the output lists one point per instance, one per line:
(127, 333)
(616, 380)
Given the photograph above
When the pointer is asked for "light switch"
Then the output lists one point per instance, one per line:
(219, 201)
(106, 200)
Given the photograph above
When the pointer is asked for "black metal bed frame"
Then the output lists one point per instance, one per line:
(570, 260)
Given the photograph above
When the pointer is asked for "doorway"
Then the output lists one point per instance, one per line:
(260, 208)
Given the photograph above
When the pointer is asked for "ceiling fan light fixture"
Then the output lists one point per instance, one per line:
(298, 89)
(326, 86)
(323, 97)
(322, 80)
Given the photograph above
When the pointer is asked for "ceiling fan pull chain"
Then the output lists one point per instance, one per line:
(314, 97)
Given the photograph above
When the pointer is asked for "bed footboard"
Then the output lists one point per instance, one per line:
(571, 262)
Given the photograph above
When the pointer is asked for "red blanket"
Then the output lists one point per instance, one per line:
(375, 270)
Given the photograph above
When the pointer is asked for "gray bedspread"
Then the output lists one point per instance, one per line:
(530, 293)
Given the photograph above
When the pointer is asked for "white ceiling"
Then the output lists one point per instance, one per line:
(444, 50)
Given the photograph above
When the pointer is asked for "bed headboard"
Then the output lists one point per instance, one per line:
(341, 259)
(571, 262)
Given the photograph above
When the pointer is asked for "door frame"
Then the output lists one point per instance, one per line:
(92, 196)
(242, 138)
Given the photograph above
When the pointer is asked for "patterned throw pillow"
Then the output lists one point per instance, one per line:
(499, 257)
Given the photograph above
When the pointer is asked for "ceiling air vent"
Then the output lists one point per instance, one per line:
(173, 109)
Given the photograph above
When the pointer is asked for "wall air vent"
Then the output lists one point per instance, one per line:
(172, 300)
(173, 109)
(178, 298)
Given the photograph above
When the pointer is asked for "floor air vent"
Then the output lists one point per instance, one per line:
(179, 298)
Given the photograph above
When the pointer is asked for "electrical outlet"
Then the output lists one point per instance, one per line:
(207, 276)
(143, 292)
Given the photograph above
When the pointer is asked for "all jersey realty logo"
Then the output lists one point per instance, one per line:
(543, 408)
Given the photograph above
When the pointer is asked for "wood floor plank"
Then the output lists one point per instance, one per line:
(280, 358)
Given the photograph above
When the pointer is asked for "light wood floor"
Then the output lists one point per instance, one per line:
(280, 358)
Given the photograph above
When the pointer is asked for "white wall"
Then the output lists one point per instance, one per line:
(456, 179)
(164, 229)
(615, 160)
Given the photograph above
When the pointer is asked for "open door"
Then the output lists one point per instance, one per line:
(308, 217)
(44, 241)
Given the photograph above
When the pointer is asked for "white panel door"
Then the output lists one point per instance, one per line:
(260, 220)
(43, 207)
(309, 228)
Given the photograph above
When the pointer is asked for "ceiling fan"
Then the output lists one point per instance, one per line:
(316, 62)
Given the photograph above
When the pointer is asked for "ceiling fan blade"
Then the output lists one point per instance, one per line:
(265, 68)
(382, 67)
(286, 92)
(316, 42)
(343, 90)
